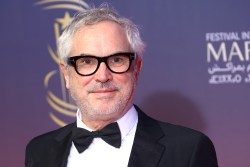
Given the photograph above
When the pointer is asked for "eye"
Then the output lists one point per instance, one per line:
(117, 60)
(87, 61)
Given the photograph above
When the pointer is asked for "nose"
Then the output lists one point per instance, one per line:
(103, 74)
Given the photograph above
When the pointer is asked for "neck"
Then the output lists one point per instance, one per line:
(96, 125)
(99, 123)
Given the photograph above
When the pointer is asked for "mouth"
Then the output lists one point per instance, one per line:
(104, 93)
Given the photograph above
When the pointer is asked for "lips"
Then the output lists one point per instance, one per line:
(104, 93)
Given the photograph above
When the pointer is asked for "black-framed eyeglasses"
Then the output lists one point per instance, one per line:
(86, 65)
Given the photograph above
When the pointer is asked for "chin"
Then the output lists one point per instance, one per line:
(106, 116)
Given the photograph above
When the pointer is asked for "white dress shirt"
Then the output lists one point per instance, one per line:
(101, 154)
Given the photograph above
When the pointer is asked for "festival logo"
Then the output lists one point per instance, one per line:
(62, 107)
(228, 57)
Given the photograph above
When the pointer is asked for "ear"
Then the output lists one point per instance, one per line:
(65, 73)
(138, 66)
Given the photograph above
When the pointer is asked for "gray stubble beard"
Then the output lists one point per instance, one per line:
(123, 103)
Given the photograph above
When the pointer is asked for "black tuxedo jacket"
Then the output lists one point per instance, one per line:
(156, 144)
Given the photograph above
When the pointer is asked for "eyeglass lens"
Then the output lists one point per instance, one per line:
(88, 65)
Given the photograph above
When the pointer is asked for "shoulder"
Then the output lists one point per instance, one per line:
(179, 138)
(41, 150)
(181, 134)
(177, 130)
(189, 142)
(50, 137)
(188, 145)
(174, 135)
(170, 131)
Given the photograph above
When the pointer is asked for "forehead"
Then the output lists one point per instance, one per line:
(100, 39)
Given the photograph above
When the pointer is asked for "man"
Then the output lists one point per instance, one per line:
(101, 55)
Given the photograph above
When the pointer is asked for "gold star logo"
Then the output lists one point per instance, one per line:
(65, 20)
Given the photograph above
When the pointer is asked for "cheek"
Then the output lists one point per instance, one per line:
(77, 88)
(127, 80)
(80, 81)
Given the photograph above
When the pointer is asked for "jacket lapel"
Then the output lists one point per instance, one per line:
(146, 149)
(61, 149)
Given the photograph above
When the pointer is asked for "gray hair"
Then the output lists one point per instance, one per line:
(93, 16)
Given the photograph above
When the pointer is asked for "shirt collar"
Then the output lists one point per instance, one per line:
(126, 123)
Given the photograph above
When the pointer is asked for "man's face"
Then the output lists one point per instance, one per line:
(103, 96)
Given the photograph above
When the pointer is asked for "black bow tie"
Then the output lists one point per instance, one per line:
(82, 138)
